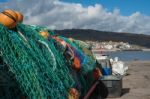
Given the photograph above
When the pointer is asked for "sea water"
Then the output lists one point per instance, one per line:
(130, 55)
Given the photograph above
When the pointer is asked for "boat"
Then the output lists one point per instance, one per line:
(101, 56)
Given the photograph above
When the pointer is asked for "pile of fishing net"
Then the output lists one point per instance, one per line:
(37, 64)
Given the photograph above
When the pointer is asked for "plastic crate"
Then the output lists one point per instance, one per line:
(114, 85)
(106, 71)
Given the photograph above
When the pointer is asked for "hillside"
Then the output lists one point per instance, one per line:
(94, 35)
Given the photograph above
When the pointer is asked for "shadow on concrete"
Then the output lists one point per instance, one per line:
(125, 91)
(128, 74)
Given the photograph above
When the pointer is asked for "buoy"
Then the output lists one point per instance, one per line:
(97, 73)
(73, 93)
(8, 18)
(45, 34)
(71, 39)
(76, 64)
(20, 16)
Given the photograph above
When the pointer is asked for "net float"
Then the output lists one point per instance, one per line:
(97, 73)
(44, 34)
(20, 16)
(76, 64)
(73, 93)
(8, 18)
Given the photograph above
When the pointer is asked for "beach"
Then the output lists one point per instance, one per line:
(136, 84)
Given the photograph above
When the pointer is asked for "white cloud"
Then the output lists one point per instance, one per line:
(56, 14)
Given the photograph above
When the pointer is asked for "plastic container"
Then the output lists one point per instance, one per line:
(114, 85)
(106, 71)
(106, 67)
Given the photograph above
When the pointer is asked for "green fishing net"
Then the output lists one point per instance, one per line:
(35, 68)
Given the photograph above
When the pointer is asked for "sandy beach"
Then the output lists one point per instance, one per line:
(136, 85)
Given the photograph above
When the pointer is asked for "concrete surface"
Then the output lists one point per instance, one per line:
(136, 85)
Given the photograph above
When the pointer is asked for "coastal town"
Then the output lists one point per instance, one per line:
(115, 46)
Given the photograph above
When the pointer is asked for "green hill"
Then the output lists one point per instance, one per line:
(94, 35)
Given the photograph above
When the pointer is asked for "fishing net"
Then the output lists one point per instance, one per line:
(37, 67)
(86, 48)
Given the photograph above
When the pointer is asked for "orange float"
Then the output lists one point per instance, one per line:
(97, 73)
(71, 39)
(8, 18)
(73, 93)
(45, 34)
(76, 63)
(20, 16)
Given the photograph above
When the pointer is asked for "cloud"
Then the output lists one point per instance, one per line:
(56, 14)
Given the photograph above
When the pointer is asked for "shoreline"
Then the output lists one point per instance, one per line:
(115, 50)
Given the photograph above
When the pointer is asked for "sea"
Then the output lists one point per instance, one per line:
(129, 55)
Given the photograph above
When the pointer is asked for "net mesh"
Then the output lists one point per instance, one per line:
(38, 68)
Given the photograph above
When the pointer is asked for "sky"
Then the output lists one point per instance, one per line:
(105, 15)
(126, 7)
(4, 0)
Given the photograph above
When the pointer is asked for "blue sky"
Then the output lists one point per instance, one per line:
(3, 0)
(133, 17)
(127, 7)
